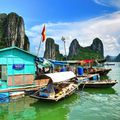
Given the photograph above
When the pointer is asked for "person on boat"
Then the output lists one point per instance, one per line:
(50, 89)
(63, 68)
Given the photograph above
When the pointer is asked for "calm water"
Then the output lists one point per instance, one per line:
(90, 104)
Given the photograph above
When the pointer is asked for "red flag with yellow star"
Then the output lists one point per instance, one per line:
(43, 34)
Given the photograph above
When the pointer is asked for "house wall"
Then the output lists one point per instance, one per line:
(41, 82)
(18, 77)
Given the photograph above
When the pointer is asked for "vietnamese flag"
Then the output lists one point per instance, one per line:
(43, 34)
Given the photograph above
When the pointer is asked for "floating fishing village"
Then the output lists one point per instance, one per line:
(59, 60)
(23, 73)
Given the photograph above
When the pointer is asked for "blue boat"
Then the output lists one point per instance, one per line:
(4, 97)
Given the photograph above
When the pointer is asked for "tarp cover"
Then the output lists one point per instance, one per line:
(61, 76)
(87, 61)
(59, 63)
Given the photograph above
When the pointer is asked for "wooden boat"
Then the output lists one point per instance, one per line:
(101, 61)
(99, 84)
(100, 71)
(17, 94)
(109, 64)
(86, 77)
(93, 81)
(58, 86)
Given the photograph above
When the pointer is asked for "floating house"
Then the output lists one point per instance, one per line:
(17, 67)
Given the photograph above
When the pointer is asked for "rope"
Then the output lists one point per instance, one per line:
(83, 86)
(39, 48)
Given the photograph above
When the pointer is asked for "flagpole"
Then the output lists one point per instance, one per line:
(63, 39)
(39, 47)
(43, 37)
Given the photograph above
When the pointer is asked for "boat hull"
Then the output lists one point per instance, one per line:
(98, 85)
(101, 72)
(51, 99)
(57, 98)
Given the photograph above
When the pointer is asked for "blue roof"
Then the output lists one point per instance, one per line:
(56, 62)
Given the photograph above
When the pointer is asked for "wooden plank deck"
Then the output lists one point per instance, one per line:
(36, 87)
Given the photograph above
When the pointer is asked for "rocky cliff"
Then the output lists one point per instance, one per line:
(74, 49)
(110, 58)
(52, 50)
(97, 45)
(95, 50)
(76, 52)
(113, 58)
(117, 59)
(12, 31)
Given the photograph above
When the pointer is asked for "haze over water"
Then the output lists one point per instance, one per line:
(89, 104)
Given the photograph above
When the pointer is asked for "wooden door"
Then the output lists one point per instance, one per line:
(4, 72)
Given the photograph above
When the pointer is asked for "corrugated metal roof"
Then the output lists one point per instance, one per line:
(14, 47)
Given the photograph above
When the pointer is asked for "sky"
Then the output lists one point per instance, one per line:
(83, 20)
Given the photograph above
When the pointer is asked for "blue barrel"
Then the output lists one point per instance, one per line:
(63, 69)
(80, 71)
(95, 77)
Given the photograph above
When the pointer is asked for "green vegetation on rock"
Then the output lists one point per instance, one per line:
(76, 52)
(86, 53)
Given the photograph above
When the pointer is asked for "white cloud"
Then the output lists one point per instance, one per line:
(113, 3)
(101, 2)
(107, 28)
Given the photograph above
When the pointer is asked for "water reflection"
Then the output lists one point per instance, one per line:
(100, 91)
(4, 100)
(17, 110)
(54, 110)
(104, 77)
(31, 109)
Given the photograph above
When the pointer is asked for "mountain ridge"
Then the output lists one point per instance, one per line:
(76, 51)
(113, 58)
